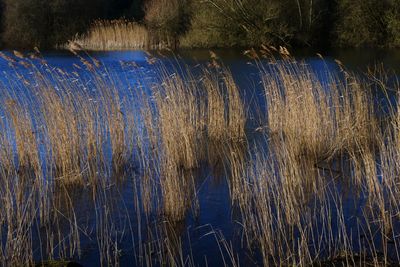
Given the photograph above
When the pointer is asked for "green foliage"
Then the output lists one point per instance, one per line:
(254, 22)
(169, 16)
(344, 23)
(392, 17)
(361, 23)
(236, 23)
(373, 23)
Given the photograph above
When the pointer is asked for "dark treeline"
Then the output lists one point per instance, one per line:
(210, 23)
(45, 23)
(317, 23)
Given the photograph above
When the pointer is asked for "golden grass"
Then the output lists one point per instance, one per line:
(106, 35)
(226, 112)
(181, 136)
(183, 122)
(25, 137)
(318, 118)
(322, 138)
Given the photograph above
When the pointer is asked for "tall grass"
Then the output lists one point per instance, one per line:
(85, 133)
(226, 112)
(321, 137)
(105, 35)
(65, 134)
(318, 118)
(181, 133)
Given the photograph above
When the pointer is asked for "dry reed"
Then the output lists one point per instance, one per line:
(291, 203)
(106, 35)
(84, 133)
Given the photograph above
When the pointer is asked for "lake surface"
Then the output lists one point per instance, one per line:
(208, 233)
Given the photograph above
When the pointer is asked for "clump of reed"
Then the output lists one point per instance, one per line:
(321, 138)
(6, 162)
(180, 121)
(121, 34)
(182, 128)
(226, 118)
(25, 137)
(60, 118)
(316, 117)
(181, 137)
(113, 35)
(225, 109)
(67, 131)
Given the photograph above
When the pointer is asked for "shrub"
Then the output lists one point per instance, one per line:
(393, 23)
(361, 23)
(236, 23)
(167, 18)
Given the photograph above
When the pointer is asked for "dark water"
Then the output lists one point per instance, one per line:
(203, 232)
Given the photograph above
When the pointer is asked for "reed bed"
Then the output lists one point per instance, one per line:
(319, 185)
(320, 139)
(110, 35)
(226, 112)
(84, 132)
(318, 118)
(180, 125)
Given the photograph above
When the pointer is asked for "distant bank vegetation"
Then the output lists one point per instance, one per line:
(200, 23)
